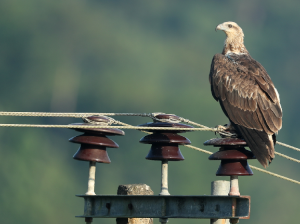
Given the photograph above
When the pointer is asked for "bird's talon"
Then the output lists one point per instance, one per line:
(221, 128)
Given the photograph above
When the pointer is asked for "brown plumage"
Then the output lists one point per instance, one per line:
(246, 94)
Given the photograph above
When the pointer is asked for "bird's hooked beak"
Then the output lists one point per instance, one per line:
(220, 27)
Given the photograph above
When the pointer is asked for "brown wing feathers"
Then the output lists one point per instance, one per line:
(249, 99)
(244, 99)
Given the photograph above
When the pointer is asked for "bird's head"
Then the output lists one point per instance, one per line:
(231, 29)
(234, 42)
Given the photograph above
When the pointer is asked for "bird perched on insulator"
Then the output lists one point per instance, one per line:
(246, 94)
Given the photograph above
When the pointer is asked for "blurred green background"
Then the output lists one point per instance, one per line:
(140, 57)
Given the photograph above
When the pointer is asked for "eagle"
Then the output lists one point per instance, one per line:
(246, 94)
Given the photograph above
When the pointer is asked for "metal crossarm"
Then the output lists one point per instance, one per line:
(170, 206)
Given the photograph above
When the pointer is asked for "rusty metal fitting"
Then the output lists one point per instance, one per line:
(88, 220)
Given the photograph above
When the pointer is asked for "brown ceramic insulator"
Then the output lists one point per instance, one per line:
(165, 142)
(100, 120)
(98, 131)
(165, 152)
(93, 147)
(168, 116)
(234, 167)
(233, 156)
(239, 153)
(97, 118)
(94, 141)
(92, 153)
(165, 138)
(226, 142)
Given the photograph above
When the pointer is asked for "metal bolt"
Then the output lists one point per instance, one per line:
(202, 207)
(163, 220)
(88, 220)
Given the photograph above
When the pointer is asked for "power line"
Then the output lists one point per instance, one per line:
(127, 126)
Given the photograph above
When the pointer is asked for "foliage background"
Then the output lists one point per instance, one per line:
(132, 56)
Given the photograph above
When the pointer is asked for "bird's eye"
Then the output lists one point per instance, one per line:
(229, 25)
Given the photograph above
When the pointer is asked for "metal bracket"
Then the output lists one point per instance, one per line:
(167, 206)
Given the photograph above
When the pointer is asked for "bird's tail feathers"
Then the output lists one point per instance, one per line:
(260, 143)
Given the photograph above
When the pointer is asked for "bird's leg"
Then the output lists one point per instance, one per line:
(229, 127)
(221, 127)
(225, 127)
(227, 130)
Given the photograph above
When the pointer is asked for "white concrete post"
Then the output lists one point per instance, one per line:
(164, 178)
(164, 183)
(91, 181)
(234, 191)
(234, 186)
(91, 185)
(220, 187)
